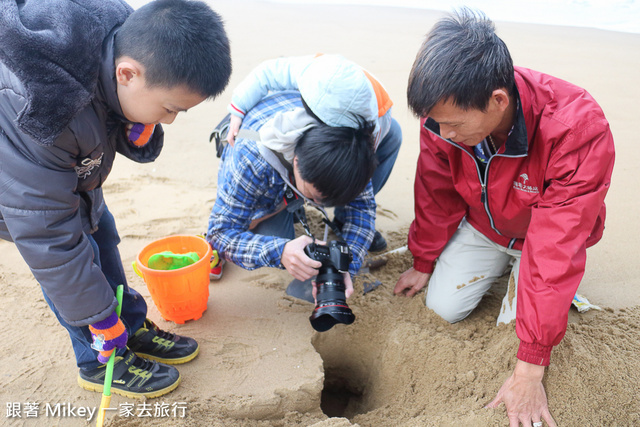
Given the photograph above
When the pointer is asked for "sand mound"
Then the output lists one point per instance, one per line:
(400, 364)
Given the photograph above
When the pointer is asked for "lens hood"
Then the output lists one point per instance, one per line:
(324, 317)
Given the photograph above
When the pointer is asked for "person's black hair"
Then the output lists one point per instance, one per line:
(462, 60)
(337, 161)
(180, 43)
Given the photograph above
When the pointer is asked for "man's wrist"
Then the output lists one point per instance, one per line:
(534, 353)
(528, 370)
(422, 266)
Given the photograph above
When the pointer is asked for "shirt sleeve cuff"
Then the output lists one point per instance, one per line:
(534, 353)
(422, 266)
(277, 252)
(235, 111)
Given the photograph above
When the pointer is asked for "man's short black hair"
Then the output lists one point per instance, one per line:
(180, 43)
(337, 161)
(462, 60)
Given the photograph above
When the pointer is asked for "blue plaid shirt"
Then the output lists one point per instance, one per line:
(250, 188)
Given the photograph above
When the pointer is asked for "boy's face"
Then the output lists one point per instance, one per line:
(150, 105)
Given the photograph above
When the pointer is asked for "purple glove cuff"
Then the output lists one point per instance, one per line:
(103, 359)
(106, 323)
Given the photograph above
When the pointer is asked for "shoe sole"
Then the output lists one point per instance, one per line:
(88, 385)
(178, 361)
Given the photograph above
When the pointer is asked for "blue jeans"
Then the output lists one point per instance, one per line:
(279, 225)
(387, 153)
(134, 308)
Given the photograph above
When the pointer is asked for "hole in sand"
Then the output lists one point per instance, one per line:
(339, 395)
(347, 373)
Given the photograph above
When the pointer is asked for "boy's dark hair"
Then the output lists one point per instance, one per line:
(337, 161)
(462, 59)
(179, 42)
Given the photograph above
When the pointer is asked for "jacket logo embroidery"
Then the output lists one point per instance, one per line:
(521, 184)
(87, 165)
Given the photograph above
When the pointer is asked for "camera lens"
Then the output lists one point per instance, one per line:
(331, 300)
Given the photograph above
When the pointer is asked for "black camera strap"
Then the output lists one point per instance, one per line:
(295, 205)
(334, 227)
(219, 134)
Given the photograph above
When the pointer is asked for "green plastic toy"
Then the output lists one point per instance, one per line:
(168, 260)
(108, 376)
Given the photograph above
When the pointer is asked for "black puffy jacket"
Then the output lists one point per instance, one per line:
(52, 165)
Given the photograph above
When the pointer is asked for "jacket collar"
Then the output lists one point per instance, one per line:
(107, 85)
(517, 143)
(56, 41)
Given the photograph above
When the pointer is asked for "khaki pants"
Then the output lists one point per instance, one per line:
(465, 271)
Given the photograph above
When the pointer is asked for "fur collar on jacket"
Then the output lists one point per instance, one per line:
(54, 47)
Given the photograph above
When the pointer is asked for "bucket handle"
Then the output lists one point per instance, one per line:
(215, 258)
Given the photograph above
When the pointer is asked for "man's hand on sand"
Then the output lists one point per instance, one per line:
(411, 282)
(297, 263)
(524, 396)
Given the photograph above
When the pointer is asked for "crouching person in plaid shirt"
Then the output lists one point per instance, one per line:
(283, 149)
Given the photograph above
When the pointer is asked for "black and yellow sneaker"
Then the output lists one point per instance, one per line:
(133, 377)
(379, 243)
(153, 343)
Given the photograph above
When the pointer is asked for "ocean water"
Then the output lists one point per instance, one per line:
(613, 15)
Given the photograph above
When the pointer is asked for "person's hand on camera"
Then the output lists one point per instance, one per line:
(108, 334)
(348, 284)
(297, 263)
(234, 127)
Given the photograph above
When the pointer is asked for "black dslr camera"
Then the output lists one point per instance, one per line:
(331, 306)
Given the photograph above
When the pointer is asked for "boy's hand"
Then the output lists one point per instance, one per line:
(108, 334)
(234, 127)
(297, 263)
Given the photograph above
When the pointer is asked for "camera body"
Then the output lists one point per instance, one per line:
(336, 255)
(331, 305)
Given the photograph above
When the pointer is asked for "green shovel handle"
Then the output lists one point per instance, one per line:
(109, 373)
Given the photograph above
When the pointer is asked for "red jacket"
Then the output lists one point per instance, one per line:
(544, 195)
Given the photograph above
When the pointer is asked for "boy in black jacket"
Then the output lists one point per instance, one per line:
(80, 81)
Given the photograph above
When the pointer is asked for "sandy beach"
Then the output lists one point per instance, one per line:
(399, 364)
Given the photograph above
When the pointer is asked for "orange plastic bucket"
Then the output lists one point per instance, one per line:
(180, 294)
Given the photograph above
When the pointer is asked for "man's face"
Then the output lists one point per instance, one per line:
(467, 127)
(150, 105)
(306, 188)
